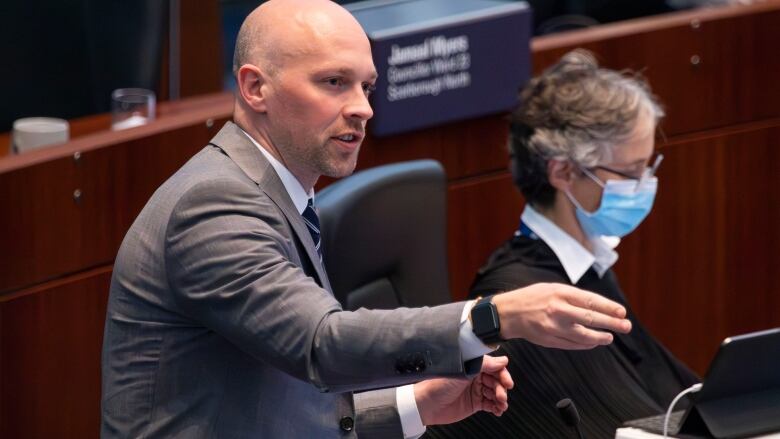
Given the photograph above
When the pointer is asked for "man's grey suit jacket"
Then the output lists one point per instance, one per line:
(221, 322)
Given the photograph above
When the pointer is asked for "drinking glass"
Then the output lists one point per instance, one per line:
(131, 107)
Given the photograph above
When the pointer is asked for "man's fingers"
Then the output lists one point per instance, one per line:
(489, 387)
(496, 366)
(594, 319)
(506, 379)
(497, 409)
(495, 406)
(584, 336)
(565, 343)
(503, 378)
(570, 323)
(588, 337)
(561, 316)
(489, 394)
(493, 390)
(594, 302)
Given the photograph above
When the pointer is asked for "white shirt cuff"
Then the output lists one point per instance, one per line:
(411, 424)
(470, 345)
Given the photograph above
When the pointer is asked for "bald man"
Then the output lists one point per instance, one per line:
(221, 321)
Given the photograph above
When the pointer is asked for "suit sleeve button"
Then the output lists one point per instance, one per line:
(346, 423)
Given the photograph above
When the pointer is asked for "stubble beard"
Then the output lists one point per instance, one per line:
(319, 156)
(335, 165)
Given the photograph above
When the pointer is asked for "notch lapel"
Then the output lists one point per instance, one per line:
(232, 140)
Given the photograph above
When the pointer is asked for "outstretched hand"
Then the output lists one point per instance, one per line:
(448, 400)
(560, 316)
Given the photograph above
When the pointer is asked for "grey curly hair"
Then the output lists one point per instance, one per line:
(574, 111)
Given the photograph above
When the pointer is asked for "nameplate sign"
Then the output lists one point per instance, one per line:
(444, 61)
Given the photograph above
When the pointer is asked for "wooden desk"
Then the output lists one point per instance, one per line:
(78, 128)
(216, 105)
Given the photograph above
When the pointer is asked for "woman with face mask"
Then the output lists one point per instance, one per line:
(582, 148)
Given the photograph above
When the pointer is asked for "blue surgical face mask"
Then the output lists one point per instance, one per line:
(624, 204)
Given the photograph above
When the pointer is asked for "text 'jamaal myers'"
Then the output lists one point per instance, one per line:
(438, 46)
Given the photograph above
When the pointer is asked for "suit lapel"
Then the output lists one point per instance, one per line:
(232, 140)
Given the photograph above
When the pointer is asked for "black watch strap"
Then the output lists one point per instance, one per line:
(485, 321)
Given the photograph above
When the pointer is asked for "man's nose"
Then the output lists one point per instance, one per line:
(358, 106)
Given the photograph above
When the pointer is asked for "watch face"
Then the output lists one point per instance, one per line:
(484, 319)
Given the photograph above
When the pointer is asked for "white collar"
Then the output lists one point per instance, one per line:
(575, 258)
(291, 184)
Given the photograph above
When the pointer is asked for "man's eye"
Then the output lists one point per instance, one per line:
(368, 88)
(336, 82)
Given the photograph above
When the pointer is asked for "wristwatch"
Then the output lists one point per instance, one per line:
(485, 322)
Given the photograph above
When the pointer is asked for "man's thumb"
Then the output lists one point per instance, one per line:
(494, 364)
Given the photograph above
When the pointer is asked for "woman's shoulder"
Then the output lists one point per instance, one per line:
(519, 262)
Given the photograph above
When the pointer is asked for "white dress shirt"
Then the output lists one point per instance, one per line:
(575, 258)
(470, 345)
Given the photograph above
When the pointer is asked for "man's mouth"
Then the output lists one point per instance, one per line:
(347, 137)
(350, 140)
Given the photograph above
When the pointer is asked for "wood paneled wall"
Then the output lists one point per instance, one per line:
(704, 264)
(701, 267)
(711, 68)
(50, 343)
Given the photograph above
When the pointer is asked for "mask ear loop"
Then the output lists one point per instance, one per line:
(574, 200)
(577, 204)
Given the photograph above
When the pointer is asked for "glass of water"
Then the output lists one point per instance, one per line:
(132, 107)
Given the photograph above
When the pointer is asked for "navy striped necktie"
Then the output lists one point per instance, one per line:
(313, 224)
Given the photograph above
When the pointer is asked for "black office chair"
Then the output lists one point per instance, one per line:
(384, 236)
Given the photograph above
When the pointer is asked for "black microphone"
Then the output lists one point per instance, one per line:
(570, 415)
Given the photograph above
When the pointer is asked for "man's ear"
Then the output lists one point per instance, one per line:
(252, 85)
(560, 174)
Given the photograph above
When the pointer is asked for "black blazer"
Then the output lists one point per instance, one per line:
(633, 377)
